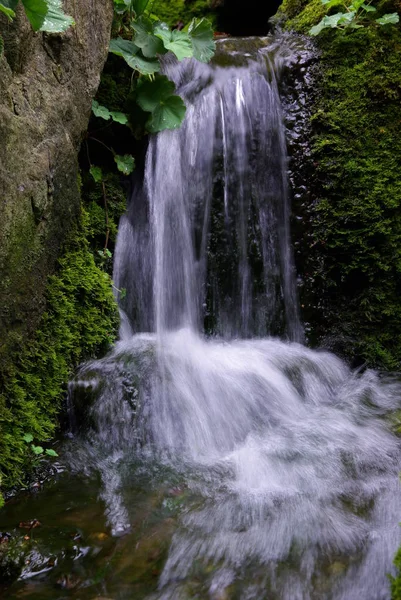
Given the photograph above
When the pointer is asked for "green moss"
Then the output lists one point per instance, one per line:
(356, 153)
(79, 322)
(173, 11)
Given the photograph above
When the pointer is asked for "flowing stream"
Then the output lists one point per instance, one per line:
(227, 460)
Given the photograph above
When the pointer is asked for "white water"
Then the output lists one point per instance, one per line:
(287, 452)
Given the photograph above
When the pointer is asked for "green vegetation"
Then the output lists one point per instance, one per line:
(80, 322)
(44, 15)
(357, 14)
(355, 252)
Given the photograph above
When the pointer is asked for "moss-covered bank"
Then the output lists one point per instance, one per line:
(352, 259)
(79, 322)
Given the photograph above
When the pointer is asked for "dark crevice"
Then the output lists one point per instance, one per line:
(239, 18)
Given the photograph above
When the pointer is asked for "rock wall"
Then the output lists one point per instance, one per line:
(349, 242)
(56, 303)
(47, 82)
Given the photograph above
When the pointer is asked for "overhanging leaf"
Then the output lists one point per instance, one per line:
(176, 41)
(201, 34)
(47, 15)
(151, 93)
(389, 19)
(130, 53)
(28, 438)
(150, 44)
(125, 164)
(37, 449)
(317, 28)
(122, 47)
(169, 114)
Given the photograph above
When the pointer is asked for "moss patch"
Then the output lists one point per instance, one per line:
(79, 322)
(173, 11)
(354, 265)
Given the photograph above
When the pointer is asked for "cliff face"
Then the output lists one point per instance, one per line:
(56, 304)
(349, 253)
(47, 83)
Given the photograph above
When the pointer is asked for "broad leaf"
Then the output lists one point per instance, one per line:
(150, 44)
(169, 114)
(8, 7)
(47, 15)
(96, 173)
(151, 93)
(28, 438)
(157, 97)
(201, 34)
(389, 19)
(37, 449)
(176, 41)
(130, 52)
(125, 164)
(119, 117)
(122, 47)
(346, 18)
(368, 8)
(330, 3)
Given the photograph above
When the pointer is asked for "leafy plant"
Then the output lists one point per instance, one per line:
(44, 15)
(357, 14)
(38, 450)
(143, 41)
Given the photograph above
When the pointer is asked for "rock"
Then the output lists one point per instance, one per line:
(47, 82)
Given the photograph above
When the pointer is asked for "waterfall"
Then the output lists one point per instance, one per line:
(207, 238)
(284, 457)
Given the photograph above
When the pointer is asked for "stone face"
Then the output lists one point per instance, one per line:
(47, 82)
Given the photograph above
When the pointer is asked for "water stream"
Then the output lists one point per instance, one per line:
(215, 456)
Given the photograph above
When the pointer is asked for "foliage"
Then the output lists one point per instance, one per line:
(44, 15)
(80, 321)
(396, 581)
(145, 38)
(357, 14)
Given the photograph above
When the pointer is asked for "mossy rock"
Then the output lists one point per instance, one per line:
(352, 270)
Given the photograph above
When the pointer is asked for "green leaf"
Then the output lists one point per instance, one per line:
(96, 173)
(139, 6)
(176, 41)
(100, 111)
(130, 52)
(157, 97)
(119, 117)
(330, 3)
(168, 115)
(317, 28)
(47, 15)
(28, 438)
(150, 44)
(122, 47)
(389, 19)
(151, 93)
(121, 6)
(8, 7)
(51, 452)
(201, 34)
(368, 8)
(125, 164)
(37, 449)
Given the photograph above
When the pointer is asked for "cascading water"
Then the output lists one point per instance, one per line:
(281, 457)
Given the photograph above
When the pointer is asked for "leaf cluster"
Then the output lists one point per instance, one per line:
(357, 14)
(44, 15)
